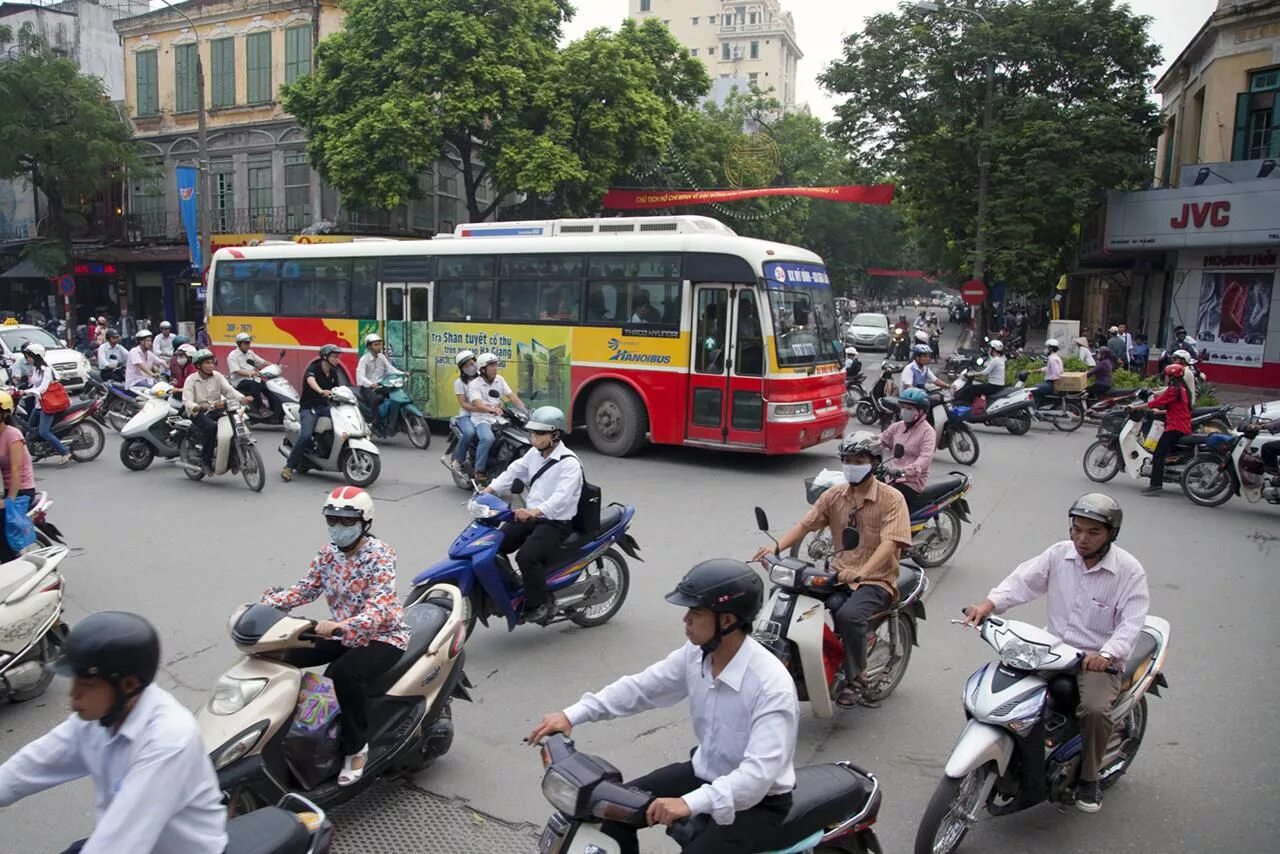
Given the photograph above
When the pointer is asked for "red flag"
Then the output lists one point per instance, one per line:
(631, 200)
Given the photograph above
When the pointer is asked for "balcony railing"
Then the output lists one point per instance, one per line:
(757, 29)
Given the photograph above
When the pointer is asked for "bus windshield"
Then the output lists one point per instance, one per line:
(804, 313)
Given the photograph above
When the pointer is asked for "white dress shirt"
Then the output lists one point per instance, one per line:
(1052, 367)
(247, 361)
(746, 721)
(112, 357)
(154, 787)
(134, 373)
(162, 344)
(1096, 610)
(914, 376)
(478, 390)
(556, 492)
(371, 369)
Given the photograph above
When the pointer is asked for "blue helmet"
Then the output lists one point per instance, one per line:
(915, 397)
(921, 350)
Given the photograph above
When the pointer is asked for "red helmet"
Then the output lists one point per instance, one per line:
(1174, 371)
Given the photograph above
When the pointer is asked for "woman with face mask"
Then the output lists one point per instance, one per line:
(467, 371)
(356, 574)
(909, 473)
(181, 365)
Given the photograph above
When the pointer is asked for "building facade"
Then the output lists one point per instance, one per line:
(1201, 247)
(740, 43)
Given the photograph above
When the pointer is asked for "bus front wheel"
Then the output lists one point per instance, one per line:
(616, 420)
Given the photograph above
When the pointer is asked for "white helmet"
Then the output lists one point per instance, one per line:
(164, 324)
(189, 350)
(1183, 355)
(484, 360)
(372, 338)
(350, 502)
(243, 337)
(1052, 344)
(922, 336)
(142, 334)
(34, 349)
(463, 357)
(997, 345)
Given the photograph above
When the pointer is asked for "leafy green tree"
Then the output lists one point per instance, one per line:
(60, 133)
(1071, 119)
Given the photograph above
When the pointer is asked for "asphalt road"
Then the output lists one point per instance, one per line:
(186, 554)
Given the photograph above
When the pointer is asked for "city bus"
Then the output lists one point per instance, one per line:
(673, 329)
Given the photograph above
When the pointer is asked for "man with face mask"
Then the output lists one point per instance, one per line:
(870, 571)
(910, 472)
(1097, 601)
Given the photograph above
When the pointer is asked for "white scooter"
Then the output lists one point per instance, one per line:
(237, 450)
(1237, 469)
(153, 431)
(340, 443)
(1120, 447)
(31, 625)
(281, 391)
(1021, 744)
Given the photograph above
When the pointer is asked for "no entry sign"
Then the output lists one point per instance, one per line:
(973, 292)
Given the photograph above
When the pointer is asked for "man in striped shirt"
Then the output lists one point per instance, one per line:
(1097, 601)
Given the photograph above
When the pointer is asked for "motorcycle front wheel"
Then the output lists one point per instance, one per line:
(1102, 461)
(360, 467)
(415, 426)
(136, 454)
(252, 468)
(865, 411)
(963, 444)
(952, 810)
(86, 441)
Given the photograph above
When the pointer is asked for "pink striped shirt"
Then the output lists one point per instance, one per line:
(1096, 610)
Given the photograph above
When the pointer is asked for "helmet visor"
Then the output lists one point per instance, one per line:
(684, 600)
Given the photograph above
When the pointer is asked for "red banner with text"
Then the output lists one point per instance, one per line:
(633, 200)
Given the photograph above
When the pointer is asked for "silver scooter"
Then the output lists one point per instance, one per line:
(154, 431)
(341, 440)
(31, 624)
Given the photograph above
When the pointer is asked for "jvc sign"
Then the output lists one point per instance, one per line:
(1200, 214)
(1220, 215)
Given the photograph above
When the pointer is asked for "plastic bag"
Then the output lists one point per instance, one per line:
(311, 747)
(19, 530)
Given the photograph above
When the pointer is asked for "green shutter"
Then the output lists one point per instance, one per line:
(1240, 140)
(297, 53)
(222, 53)
(257, 51)
(148, 89)
(184, 72)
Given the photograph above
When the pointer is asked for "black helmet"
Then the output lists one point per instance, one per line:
(1100, 508)
(111, 645)
(722, 586)
(330, 350)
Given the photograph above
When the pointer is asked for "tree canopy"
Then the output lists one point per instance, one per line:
(1071, 119)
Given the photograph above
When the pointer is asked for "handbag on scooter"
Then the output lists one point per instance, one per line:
(311, 748)
(55, 399)
(19, 530)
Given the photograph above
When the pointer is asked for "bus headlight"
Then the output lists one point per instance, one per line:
(791, 411)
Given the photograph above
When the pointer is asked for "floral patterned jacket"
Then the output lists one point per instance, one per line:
(360, 590)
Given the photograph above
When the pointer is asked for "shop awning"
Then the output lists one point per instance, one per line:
(24, 269)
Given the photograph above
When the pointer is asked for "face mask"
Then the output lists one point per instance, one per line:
(856, 473)
(182, 360)
(344, 536)
(910, 416)
(469, 371)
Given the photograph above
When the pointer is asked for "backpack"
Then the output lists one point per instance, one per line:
(587, 517)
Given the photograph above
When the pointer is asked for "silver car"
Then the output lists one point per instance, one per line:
(868, 331)
(69, 366)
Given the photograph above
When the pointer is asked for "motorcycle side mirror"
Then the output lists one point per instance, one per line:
(1022, 376)
(762, 519)
(899, 451)
(849, 539)
(517, 486)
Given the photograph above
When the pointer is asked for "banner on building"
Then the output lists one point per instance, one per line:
(1234, 310)
(188, 176)
(631, 200)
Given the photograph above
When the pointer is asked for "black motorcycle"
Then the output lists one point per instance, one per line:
(510, 442)
(74, 427)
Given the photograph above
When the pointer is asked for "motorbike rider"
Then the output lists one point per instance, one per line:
(243, 365)
(372, 367)
(1097, 600)
(1175, 400)
(466, 362)
(909, 473)
(870, 571)
(155, 788)
(1270, 451)
(112, 357)
(992, 372)
(486, 393)
(144, 366)
(356, 573)
(181, 365)
(916, 373)
(204, 396)
(745, 718)
(1182, 357)
(852, 366)
(552, 475)
(322, 377)
(15, 464)
(1052, 370)
(164, 343)
(42, 375)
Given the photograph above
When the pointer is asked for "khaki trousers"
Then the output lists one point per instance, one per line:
(1098, 692)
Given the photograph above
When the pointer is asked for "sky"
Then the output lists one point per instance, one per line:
(821, 26)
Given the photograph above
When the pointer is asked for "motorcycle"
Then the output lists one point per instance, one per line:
(1021, 743)
(74, 427)
(247, 718)
(397, 413)
(936, 517)
(510, 442)
(31, 625)
(868, 410)
(237, 450)
(1120, 446)
(279, 390)
(953, 433)
(899, 344)
(119, 403)
(154, 431)
(589, 581)
(833, 808)
(812, 650)
(1236, 469)
(854, 393)
(1005, 408)
(340, 442)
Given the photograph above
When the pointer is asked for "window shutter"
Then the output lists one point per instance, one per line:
(1240, 141)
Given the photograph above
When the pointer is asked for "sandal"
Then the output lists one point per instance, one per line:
(351, 775)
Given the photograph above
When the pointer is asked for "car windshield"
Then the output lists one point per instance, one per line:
(16, 339)
(804, 313)
(879, 321)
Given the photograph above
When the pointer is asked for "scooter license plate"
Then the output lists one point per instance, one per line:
(552, 836)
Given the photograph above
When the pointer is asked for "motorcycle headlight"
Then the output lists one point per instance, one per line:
(238, 747)
(231, 695)
(1021, 654)
(560, 791)
(783, 576)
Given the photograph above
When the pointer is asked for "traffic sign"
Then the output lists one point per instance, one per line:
(973, 292)
(67, 285)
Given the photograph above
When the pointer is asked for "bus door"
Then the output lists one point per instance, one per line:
(726, 383)
(406, 310)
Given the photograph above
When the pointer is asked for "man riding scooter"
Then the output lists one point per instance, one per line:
(992, 374)
(243, 365)
(204, 395)
(112, 358)
(372, 367)
(909, 473)
(322, 377)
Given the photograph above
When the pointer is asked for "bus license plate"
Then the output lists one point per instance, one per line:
(829, 433)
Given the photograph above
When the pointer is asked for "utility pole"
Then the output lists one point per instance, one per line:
(204, 187)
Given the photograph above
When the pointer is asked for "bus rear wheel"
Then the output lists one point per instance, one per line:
(617, 422)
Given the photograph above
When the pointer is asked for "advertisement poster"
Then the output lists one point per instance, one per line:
(534, 360)
(1232, 318)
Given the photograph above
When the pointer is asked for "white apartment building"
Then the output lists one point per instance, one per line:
(740, 42)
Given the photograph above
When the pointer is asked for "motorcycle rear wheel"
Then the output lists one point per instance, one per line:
(1208, 482)
(1101, 461)
(1069, 418)
(945, 816)
(415, 427)
(1135, 726)
(1018, 424)
(46, 653)
(190, 454)
(86, 441)
(137, 454)
(944, 531)
(613, 571)
(888, 681)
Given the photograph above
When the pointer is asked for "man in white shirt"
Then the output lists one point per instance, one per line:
(1052, 370)
(243, 365)
(155, 790)
(486, 392)
(112, 357)
(163, 344)
(745, 718)
(992, 374)
(1097, 601)
(372, 367)
(144, 366)
(552, 475)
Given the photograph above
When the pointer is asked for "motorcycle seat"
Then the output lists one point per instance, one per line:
(270, 830)
(424, 620)
(909, 580)
(1205, 411)
(76, 406)
(1004, 392)
(937, 489)
(1143, 648)
(823, 796)
(609, 517)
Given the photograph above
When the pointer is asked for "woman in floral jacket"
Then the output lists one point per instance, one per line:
(356, 573)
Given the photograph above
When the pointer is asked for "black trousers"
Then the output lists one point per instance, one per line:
(206, 424)
(352, 668)
(908, 493)
(853, 621)
(1164, 445)
(534, 543)
(754, 829)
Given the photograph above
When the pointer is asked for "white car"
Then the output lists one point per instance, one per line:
(868, 331)
(69, 366)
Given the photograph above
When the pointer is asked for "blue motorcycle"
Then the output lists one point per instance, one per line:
(589, 582)
(397, 413)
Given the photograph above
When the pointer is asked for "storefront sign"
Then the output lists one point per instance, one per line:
(1245, 259)
(1219, 215)
(1232, 317)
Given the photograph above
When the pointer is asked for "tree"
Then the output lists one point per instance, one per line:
(59, 132)
(1071, 119)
